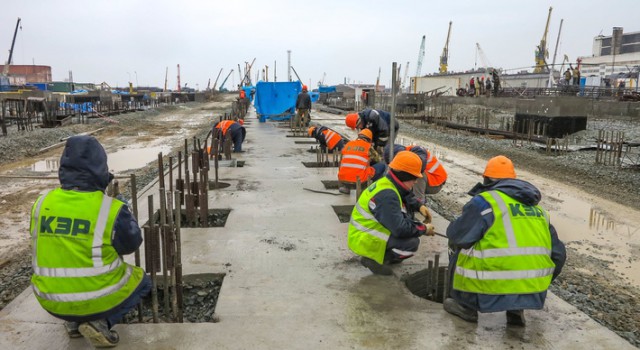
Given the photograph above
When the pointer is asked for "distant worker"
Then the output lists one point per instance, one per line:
(506, 252)
(434, 176)
(234, 130)
(78, 237)
(567, 77)
(496, 81)
(382, 229)
(327, 138)
(243, 101)
(375, 120)
(472, 87)
(303, 108)
(576, 74)
(359, 161)
(481, 86)
(488, 87)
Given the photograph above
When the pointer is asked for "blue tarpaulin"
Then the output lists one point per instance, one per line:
(276, 100)
(314, 96)
(326, 89)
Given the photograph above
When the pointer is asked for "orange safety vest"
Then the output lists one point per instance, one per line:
(436, 175)
(355, 162)
(331, 138)
(242, 94)
(224, 126)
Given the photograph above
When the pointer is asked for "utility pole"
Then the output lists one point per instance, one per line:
(289, 65)
(166, 74)
(179, 77)
(275, 78)
(394, 91)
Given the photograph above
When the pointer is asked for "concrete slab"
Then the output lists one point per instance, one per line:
(292, 283)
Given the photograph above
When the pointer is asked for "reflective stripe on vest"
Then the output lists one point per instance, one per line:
(76, 268)
(513, 257)
(367, 236)
(331, 138)
(355, 162)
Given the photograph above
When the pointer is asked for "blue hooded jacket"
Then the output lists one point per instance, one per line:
(471, 226)
(83, 168)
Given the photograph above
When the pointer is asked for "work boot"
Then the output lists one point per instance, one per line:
(99, 334)
(453, 307)
(376, 268)
(516, 318)
(72, 329)
(344, 190)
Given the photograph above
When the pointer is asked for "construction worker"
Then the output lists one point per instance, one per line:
(327, 138)
(496, 81)
(382, 229)
(506, 253)
(375, 120)
(567, 77)
(78, 237)
(434, 176)
(488, 87)
(234, 130)
(576, 74)
(359, 161)
(303, 107)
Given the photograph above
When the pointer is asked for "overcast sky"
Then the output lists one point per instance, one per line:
(121, 40)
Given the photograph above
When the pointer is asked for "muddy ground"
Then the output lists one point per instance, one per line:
(588, 281)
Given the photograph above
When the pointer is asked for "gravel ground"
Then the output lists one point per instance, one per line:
(586, 282)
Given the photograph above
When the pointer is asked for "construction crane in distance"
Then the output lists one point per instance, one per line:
(178, 77)
(215, 83)
(420, 56)
(406, 73)
(224, 81)
(444, 58)
(485, 61)
(5, 70)
(542, 53)
(166, 73)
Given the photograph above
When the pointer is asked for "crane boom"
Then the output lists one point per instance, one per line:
(541, 51)
(444, 58)
(5, 70)
(420, 56)
(225, 80)
(483, 58)
(406, 73)
(215, 83)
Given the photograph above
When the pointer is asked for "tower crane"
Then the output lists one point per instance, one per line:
(420, 56)
(444, 58)
(541, 50)
(5, 70)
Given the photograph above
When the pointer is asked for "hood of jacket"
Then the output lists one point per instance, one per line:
(520, 190)
(83, 165)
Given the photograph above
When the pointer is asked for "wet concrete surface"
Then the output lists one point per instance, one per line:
(292, 283)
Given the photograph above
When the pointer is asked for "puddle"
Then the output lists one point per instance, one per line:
(606, 233)
(50, 165)
(134, 158)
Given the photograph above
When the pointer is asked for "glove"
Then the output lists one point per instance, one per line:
(430, 230)
(425, 212)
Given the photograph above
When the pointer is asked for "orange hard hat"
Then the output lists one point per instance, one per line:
(241, 121)
(311, 129)
(499, 167)
(408, 162)
(351, 120)
(304, 88)
(366, 133)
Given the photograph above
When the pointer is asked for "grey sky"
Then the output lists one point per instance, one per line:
(113, 40)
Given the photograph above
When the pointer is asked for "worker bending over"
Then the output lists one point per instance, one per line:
(359, 161)
(382, 229)
(327, 138)
(434, 176)
(234, 130)
(375, 120)
(506, 253)
(78, 235)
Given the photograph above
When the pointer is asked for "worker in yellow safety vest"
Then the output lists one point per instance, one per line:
(78, 235)
(505, 250)
(382, 229)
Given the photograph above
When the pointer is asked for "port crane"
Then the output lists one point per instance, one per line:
(542, 53)
(5, 70)
(420, 56)
(224, 81)
(216, 82)
(444, 58)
